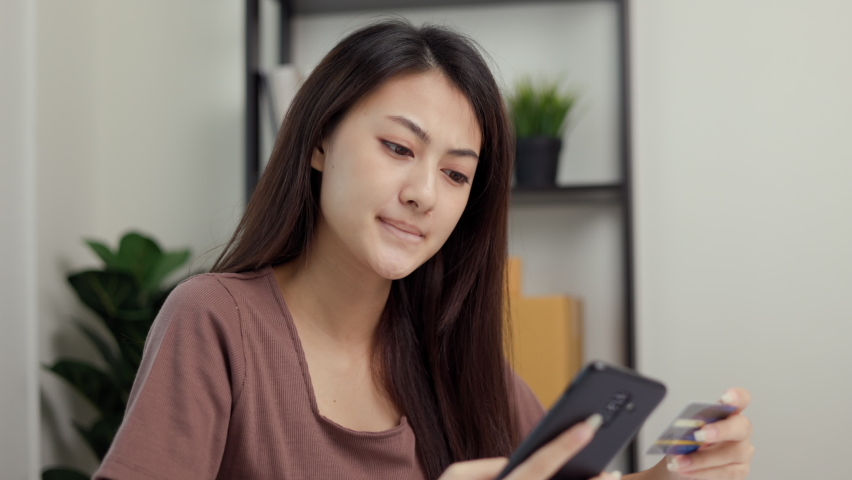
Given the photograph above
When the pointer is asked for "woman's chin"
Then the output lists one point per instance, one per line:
(394, 270)
(394, 264)
(394, 274)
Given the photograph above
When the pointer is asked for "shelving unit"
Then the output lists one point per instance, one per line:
(612, 192)
(613, 195)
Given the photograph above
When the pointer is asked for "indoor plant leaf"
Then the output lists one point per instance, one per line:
(123, 373)
(138, 255)
(106, 292)
(131, 336)
(98, 387)
(105, 254)
(539, 109)
(63, 473)
(166, 264)
(145, 314)
(100, 435)
(101, 344)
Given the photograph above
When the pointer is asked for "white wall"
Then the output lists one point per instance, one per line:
(139, 126)
(743, 189)
(66, 209)
(18, 394)
(170, 119)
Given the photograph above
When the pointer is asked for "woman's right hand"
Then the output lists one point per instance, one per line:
(541, 465)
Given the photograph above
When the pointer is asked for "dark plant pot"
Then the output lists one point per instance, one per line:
(536, 161)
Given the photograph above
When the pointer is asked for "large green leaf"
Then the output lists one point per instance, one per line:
(138, 255)
(98, 387)
(107, 293)
(139, 315)
(63, 473)
(101, 434)
(166, 264)
(102, 345)
(122, 371)
(131, 332)
(131, 341)
(104, 253)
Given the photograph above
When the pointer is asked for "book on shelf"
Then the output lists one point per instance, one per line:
(547, 337)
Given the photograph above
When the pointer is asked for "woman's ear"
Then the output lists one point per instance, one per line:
(318, 158)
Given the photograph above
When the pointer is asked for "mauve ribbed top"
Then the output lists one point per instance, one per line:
(224, 392)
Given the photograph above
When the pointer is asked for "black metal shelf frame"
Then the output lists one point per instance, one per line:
(597, 193)
(619, 193)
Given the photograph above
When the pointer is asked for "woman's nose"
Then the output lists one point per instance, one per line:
(420, 188)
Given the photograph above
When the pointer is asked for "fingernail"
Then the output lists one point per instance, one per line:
(706, 434)
(729, 397)
(616, 475)
(676, 463)
(595, 421)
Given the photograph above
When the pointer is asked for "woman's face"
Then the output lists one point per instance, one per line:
(396, 174)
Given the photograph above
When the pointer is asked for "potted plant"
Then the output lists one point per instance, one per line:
(538, 112)
(126, 294)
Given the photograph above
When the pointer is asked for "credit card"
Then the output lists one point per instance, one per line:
(678, 438)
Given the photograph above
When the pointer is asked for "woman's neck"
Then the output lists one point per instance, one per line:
(332, 296)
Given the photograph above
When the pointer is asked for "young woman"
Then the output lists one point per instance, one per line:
(353, 325)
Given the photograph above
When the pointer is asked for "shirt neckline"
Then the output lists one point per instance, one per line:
(269, 274)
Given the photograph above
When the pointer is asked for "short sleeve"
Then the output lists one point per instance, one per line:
(528, 409)
(192, 370)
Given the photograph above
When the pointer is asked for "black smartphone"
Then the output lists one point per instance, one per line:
(624, 398)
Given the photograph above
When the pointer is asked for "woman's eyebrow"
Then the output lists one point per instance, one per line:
(422, 135)
(405, 122)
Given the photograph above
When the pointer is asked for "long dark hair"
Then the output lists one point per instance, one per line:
(439, 342)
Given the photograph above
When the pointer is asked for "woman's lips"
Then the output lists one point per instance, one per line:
(398, 231)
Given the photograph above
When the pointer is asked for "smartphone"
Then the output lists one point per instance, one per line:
(624, 398)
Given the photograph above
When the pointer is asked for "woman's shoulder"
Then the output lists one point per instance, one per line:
(216, 290)
(204, 291)
(208, 279)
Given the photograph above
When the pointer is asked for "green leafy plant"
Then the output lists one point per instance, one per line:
(126, 295)
(539, 109)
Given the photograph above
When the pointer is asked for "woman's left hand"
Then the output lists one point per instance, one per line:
(728, 450)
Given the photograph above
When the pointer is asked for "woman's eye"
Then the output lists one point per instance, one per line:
(457, 177)
(398, 149)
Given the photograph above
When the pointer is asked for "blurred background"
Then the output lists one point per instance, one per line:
(701, 215)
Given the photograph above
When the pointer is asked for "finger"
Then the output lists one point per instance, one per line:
(714, 456)
(542, 464)
(484, 469)
(734, 428)
(737, 397)
(733, 471)
(615, 475)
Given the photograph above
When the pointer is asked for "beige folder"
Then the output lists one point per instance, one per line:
(546, 338)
